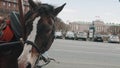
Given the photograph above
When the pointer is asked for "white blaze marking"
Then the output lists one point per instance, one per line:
(26, 56)
(33, 33)
(31, 37)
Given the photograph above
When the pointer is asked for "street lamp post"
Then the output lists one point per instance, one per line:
(92, 31)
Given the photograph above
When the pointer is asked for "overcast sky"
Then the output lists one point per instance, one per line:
(88, 10)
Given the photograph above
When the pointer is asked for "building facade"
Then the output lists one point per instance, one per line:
(6, 6)
(79, 26)
(100, 27)
(114, 29)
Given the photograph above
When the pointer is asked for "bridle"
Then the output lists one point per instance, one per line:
(47, 59)
(40, 57)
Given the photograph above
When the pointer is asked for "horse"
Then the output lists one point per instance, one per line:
(40, 29)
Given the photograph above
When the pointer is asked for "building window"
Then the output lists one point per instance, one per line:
(15, 1)
(4, 3)
(9, 4)
(14, 5)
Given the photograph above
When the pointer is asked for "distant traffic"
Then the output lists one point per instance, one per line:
(84, 36)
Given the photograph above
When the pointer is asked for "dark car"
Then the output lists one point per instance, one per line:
(98, 38)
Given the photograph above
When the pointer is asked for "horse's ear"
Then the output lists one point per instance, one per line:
(32, 4)
(58, 9)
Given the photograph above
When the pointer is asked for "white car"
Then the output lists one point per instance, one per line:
(114, 39)
(58, 34)
(70, 35)
(81, 35)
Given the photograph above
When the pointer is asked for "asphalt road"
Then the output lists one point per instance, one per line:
(84, 54)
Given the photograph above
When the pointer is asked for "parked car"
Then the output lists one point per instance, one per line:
(70, 35)
(58, 34)
(98, 38)
(114, 39)
(81, 35)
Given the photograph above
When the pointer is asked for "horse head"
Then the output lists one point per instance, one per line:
(39, 22)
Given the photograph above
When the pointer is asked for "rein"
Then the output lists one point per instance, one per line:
(9, 43)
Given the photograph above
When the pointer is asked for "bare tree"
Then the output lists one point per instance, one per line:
(60, 25)
(114, 29)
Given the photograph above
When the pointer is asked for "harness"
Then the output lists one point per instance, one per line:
(46, 60)
(7, 35)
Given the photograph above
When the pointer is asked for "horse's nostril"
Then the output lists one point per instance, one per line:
(28, 65)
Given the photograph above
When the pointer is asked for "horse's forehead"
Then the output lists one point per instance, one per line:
(33, 33)
(47, 19)
(36, 19)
